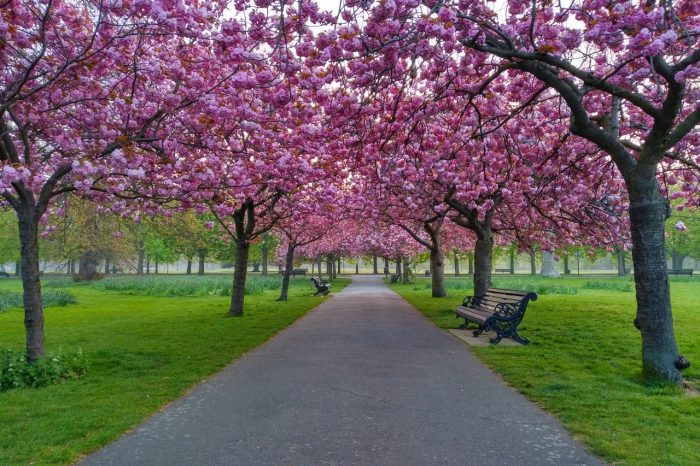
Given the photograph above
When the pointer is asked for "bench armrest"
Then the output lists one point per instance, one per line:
(471, 301)
(506, 310)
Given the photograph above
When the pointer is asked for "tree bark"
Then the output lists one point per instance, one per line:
(437, 272)
(88, 264)
(339, 264)
(456, 260)
(33, 303)
(265, 253)
(404, 263)
(621, 269)
(471, 265)
(375, 269)
(18, 268)
(256, 266)
(567, 270)
(200, 269)
(549, 265)
(648, 213)
(141, 254)
(482, 262)
(106, 266)
(288, 265)
(239, 277)
(533, 264)
(677, 260)
(512, 263)
(148, 265)
(189, 266)
(156, 264)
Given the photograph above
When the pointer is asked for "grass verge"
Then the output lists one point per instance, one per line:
(143, 351)
(583, 365)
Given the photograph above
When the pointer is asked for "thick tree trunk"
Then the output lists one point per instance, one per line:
(398, 265)
(156, 263)
(200, 268)
(437, 269)
(357, 267)
(288, 265)
(482, 263)
(339, 264)
(648, 213)
(567, 270)
(621, 269)
(18, 268)
(89, 262)
(33, 304)
(318, 260)
(189, 266)
(375, 268)
(456, 261)
(141, 255)
(533, 264)
(404, 263)
(329, 266)
(239, 277)
(512, 263)
(265, 253)
(549, 265)
(677, 260)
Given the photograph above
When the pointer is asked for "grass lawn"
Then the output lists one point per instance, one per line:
(583, 362)
(143, 350)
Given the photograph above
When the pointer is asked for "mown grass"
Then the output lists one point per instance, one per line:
(583, 365)
(143, 352)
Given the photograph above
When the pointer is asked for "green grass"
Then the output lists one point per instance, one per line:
(583, 365)
(10, 299)
(143, 352)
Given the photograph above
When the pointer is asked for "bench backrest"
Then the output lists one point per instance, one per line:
(517, 299)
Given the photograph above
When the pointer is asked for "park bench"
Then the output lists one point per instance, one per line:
(680, 272)
(395, 278)
(498, 310)
(502, 270)
(321, 286)
(296, 272)
(4, 274)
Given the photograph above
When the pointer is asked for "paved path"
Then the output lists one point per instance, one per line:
(363, 379)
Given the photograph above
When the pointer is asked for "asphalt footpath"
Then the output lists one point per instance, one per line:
(363, 379)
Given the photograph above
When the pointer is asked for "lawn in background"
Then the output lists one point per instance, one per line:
(143, 350)
(584, 360)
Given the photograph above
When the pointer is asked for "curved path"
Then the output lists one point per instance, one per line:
(362, 379)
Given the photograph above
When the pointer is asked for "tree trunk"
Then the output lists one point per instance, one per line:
(265, 253)
(33, 304)
(239, 276)
(106, 266)
(89, 262)
(339, 264)
(471, 265)
(318, 260)
(482, 263)
(148, 265)
(648, 213)
(141, 253)
(189, 266)
(18, 268)
(200, 269)
(404, 263)
(677, 260)
(456, 260)
(567, 270)
(288, 265)
(512, 263)
(533, 264)
(398, 265)
(375, 269)
(329, 266)
(437, 270)
(621, 269)
(549, 265)
(256, 266)
(156, 261)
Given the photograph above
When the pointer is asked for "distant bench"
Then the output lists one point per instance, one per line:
(503, 271)
(296, 272)
(4, 275)
(680, 271)
(498, 310)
